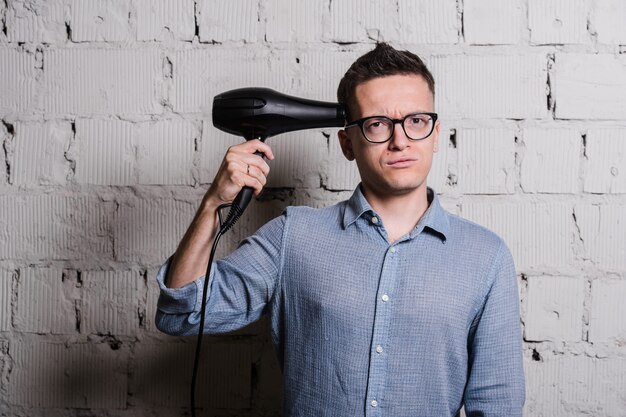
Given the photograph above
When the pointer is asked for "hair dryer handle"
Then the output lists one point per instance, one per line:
(239, 204)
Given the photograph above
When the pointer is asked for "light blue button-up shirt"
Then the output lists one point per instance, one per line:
(420, 327)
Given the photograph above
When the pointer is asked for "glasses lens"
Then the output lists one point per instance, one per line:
(377, 129)
(418, 126)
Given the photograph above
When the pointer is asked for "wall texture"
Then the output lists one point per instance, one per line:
(107, 147)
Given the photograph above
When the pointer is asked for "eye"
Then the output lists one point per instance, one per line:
(375, 124)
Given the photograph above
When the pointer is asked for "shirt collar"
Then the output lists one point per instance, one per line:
(435, 218)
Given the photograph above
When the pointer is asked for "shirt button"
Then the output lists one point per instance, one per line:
(385, 297)
(392, 250)
(374, 403)
(375, 220)
(379, 349)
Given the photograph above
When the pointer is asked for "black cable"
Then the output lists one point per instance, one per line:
(233, 215)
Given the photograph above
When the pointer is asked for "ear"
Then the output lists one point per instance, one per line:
(436, 136)
(346, 145)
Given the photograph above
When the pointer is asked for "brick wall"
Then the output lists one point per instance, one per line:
(107, 148)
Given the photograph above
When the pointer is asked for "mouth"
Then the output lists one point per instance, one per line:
(401, 162)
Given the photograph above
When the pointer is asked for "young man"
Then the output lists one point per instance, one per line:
(382, 305)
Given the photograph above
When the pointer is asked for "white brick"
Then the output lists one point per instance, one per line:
(540, 172)
(104, 152)
(102, 81)
(608, 310)
(110, 302)
(5, 138)
(46, 227)
(294, 22)
(44, 303)
(539, 235)
(554, 309)
(101, 20)
(602, 231)
(39, 153)
(299, 158)
(164, 19)
(486, 161)
(606, 161)
(590, 86)
(235, 20)
(18, 87)
(608, 18)
(558, 21)
(377, 21)
(36, 21)
(224, 375)
(165, 152)
(149, 230)
(494, 86)
(201, 74)
(492, 22)
(427, 21)
(47, 374)
(6, 291)
(566, 386)
(315, 74)
(153, 291)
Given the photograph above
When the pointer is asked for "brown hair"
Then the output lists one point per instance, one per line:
(382, 61)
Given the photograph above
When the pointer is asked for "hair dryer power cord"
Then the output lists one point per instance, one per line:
(234, 214)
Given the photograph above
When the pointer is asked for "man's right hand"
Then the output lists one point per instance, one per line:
(240, 168)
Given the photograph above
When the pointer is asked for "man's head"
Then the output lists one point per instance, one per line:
(392, 131)
(382, 61)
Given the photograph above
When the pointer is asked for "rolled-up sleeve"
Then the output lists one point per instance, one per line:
(239, 288)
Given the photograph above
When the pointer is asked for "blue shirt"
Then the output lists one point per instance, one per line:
(364, 328)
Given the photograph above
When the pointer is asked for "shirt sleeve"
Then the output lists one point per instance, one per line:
(240, 287)
(495, 384)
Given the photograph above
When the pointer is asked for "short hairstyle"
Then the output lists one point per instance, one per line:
(382, 61)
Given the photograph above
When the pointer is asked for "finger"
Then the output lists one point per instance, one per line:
(256, 145)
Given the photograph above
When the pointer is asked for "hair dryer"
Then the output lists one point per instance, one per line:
(258, 113)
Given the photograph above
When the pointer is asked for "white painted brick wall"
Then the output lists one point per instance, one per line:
(493, 22)
(490, 86)
(554, 308)
(107, 147)
(44, 302)
(486, 161)
(558, 21)
(101, 20)
(606, 161)
(6, 291)
(35, 21)
(551, 160)
(602, 231)
(578, 93)
(608, 311)
(608, 21)
(164, 20)
(39, 153)
(17, 81)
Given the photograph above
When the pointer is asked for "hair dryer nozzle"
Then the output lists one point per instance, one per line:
(262, 112)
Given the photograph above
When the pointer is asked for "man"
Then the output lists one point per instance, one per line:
(382, 305)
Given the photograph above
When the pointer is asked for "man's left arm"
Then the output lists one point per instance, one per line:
(495, 384)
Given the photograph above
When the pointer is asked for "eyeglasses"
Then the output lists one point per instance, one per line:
(379, 129)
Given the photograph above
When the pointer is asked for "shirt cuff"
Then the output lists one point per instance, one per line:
(183, 300)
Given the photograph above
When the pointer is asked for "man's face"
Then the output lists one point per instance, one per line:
(401, 165)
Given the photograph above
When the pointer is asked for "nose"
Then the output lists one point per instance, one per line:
(399, 140)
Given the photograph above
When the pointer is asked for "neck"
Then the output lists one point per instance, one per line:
(400, 213)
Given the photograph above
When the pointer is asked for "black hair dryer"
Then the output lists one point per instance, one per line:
(258, 113)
